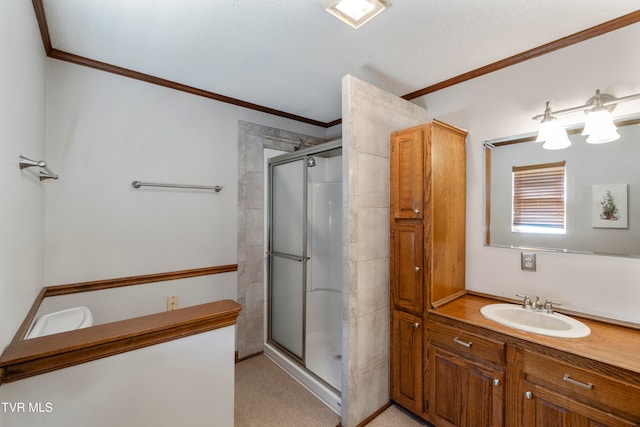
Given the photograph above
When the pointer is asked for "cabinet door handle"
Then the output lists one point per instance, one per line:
(528, 394)
(464, 343)
(417, 211)
(416, 325)
(568, 379)
(416, 268)
(496, 382)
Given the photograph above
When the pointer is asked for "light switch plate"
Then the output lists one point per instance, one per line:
(528, 261)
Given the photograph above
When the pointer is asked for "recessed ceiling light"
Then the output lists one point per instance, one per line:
(356, 12)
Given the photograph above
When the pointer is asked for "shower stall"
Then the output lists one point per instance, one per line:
(304, 267)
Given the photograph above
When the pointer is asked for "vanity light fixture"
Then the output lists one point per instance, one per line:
(599, 127)
(551, 133)
(356, 12)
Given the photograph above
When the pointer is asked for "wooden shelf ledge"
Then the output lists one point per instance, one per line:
(26, 358)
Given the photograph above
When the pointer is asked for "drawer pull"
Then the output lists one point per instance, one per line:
(416, 268)
(528, 395)
(416, 211)
(568, 379)
(464, 343)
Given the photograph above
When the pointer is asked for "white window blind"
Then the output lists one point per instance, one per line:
(539, 198)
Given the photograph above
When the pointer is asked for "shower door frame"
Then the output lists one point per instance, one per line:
(302, 154)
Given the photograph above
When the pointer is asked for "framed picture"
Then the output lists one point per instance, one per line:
(609, 206)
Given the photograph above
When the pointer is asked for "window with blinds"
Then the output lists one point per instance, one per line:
(539, 198)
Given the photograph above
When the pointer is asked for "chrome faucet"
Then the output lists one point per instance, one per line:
(526, 301)
(537, 305)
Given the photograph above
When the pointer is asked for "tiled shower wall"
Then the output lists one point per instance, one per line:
(369, 115)
(252, 140)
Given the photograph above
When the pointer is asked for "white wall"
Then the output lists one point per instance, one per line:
(184, 382)
(22, 132)
(105, 131)
(502, 104)
(111, 305)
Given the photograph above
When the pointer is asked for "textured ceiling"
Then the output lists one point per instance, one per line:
(290, 55)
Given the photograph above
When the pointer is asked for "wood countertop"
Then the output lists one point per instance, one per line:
(611, 344)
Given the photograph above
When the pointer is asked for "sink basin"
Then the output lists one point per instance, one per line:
(539, 322)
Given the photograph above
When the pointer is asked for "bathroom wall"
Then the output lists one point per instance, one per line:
(184, 382)
(111, 305)
(22, 132)
(502, 104)
(105, 131)
(369, 116)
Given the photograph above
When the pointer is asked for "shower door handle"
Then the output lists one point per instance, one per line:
(288, 256)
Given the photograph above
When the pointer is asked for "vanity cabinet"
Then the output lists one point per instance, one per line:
(558, 394)
(466, 378)
(427, 247)
(485, 374)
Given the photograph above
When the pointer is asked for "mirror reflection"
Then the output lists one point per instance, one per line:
(584, 198)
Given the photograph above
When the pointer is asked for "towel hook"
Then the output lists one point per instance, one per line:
(45, 173)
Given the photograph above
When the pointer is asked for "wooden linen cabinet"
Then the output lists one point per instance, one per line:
(427, 247)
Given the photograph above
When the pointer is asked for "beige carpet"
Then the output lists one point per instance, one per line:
(268, 396)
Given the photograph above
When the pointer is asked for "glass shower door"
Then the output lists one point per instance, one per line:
(288, 256)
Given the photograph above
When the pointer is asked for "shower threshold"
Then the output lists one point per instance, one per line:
(320, 390)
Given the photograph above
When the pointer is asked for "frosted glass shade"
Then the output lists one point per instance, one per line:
(553, 135)
(600, 127)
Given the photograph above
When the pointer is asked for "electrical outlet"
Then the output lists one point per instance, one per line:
(172, 303)
(528, 261)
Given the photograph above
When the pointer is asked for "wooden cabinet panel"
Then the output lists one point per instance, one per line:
(407, 285)
(467, 344)
(407, 173)
(446, 393)
(465, 393)
(586, 386)
(406, 360)
(447, 200)
(545, 408)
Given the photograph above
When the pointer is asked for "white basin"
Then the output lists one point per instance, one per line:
(539, 322)
(61, 321)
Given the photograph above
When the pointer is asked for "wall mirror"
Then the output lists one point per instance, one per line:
(600, 192)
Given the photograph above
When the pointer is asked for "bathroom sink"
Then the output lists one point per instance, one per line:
(539, 322)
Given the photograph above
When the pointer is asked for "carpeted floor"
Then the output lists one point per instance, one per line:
(268, 396)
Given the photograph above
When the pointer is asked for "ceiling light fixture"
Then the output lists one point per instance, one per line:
(599, 125)
(356, 12)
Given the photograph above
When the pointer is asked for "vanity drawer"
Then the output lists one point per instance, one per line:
(468, 344)
(582, 384)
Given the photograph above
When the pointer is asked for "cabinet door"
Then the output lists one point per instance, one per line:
(544, 408)
(407, 284)
(407, 173)
(465, 393)
(406, 360)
